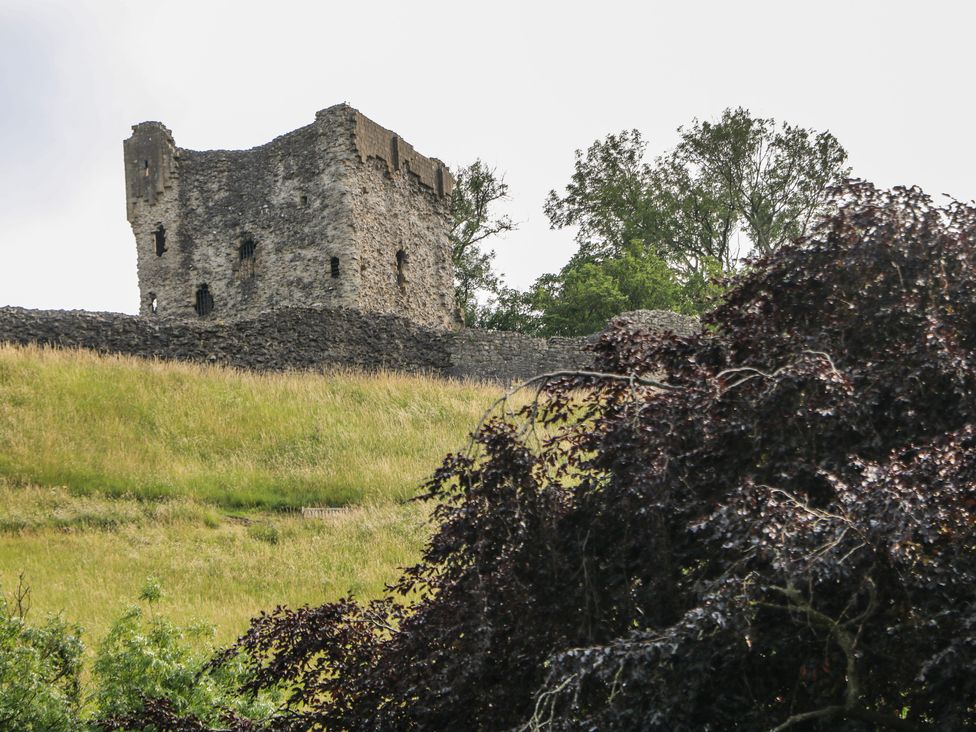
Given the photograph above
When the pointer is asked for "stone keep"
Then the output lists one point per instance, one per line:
(339, 214)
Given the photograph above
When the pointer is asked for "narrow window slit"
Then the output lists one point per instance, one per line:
(204, 303)
(334, 266)
(153, 303)
(401, 260)
(159, 239)
(395, 153)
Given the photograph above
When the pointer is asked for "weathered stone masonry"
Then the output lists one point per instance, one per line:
(341, 213)
(315, 339)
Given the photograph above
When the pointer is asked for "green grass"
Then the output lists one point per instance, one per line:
(89, 557)
(115, 469)
(124, 427)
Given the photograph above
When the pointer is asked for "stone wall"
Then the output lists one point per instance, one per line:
(506, 357)
(315, 339)
(291, 339)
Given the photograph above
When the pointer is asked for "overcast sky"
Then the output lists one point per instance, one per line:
(519, 84)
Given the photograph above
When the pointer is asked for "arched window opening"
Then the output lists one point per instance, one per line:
(204, 303)
(334, 266)
(159, 239)
(401, 263)
(153, 303)
(246, 250)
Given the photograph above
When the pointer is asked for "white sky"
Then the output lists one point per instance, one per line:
(519, 84)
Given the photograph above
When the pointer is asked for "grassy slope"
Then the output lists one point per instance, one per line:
(118, 426)
(114, 469)
(214, 569)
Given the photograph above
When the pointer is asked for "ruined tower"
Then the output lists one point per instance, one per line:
(340, 213)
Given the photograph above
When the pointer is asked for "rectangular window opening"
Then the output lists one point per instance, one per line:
(401, 262)
(204, 302)
(159, 239)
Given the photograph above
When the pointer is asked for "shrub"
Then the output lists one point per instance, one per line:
(780, 536)
(151, 674)
(264, 531)
(39, 670)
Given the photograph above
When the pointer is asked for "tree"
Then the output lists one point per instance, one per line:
(779, 534)
(477, 189)
(776, 179)
(608, 198)
(511, 310)
(738, 176)
(587, 294)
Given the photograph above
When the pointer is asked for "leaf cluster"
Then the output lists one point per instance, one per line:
(39, 669)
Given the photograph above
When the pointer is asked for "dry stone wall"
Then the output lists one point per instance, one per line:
(313, 339)
(506, 357)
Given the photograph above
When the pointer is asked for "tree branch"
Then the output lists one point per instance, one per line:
(544, 379)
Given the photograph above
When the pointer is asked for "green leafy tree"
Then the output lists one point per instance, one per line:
(511, 310)
(587, 294)
(580, 302)
(740, 175)
(776, 179)
(478, 188)
(608, 197)
(730, 187)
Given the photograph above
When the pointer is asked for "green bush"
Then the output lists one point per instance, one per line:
(146, 657)
(39, 671)
(266, 532)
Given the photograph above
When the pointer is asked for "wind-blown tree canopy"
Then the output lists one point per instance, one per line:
(741, 174)
(767, 526)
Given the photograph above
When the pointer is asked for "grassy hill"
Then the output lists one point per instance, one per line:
(124, 427)
(114, 469)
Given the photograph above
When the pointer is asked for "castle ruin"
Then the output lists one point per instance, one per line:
(341, 213)
(327, 247)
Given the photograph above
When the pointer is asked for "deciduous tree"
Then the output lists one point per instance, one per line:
(477, 190)
(741, 184)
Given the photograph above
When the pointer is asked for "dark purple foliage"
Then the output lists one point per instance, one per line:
(784, 540)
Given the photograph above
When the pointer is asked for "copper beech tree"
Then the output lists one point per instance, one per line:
(780, 534)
